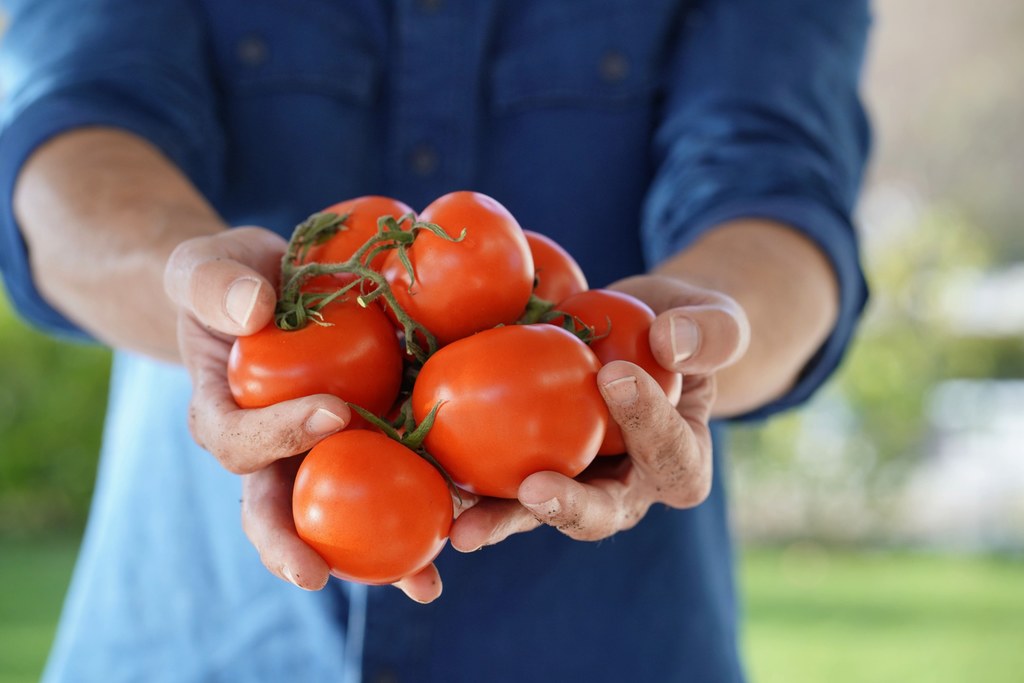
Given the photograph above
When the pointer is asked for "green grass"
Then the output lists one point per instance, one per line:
(33, 578)
(813, 615)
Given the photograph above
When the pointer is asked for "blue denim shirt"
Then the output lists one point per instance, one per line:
(622, 128)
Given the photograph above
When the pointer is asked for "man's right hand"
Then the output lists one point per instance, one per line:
(224, 286)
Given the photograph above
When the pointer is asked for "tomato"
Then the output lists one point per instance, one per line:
(514, 400)
(628, 340)
(360, 226)
(558, 275)
(356, 357)
(373, 510)
(467, 286)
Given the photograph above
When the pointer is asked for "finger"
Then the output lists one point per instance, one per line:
(463, 500)
(585, 512)
(670, 447)
(424, 586)
(225, 280)
(267, 522)
(698, 340)
(248, 440)
(490, 521)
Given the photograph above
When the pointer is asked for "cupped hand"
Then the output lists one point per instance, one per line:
(225, 286)
(696, 332)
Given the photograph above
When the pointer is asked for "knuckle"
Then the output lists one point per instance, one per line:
(570, 523)
(634, 418)
(691, 492)
(271, 432)
(576, 523)
(231, 460)
(629, 516)
(666, 458)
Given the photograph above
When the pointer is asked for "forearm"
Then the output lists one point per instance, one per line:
(101, 210)
(789, 292)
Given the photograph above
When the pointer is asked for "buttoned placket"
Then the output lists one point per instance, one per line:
(435, 87)
(437, 49)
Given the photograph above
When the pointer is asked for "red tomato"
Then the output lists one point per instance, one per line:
(360, 226)
(514, 400)
(628, 340)
(558, 274)
(357, 358)
(374, 510)
(467, 286)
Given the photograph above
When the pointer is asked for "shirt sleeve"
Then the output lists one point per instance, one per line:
(763, 119)
(137, 66)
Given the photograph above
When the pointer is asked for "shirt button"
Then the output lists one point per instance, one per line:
(614, 67)
(252, 50)
(423, 160)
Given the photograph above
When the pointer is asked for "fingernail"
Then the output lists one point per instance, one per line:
(548, 508)
(291, 577)
(685, 338)
(240, 299)
(621, 390)
(323, 421)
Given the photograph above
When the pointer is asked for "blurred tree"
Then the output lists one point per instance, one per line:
(52, 400)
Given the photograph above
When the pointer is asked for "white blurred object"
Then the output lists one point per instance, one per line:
(970, 492)
(985, 304)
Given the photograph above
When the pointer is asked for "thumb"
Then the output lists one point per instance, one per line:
(226, 280)
(701, 339)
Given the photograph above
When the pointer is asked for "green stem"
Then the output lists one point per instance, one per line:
(314, 231)
(297, 308)
(536, 311)
(412, 440)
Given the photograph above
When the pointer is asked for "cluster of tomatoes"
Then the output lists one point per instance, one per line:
(469, 349)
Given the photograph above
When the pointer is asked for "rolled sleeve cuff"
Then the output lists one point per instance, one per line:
(34, 126)
(836, 238)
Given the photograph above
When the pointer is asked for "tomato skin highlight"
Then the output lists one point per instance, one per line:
(514, 400)
(356, 358)
(467, 286)
(371, 508)
(628, 339)
(557, 273)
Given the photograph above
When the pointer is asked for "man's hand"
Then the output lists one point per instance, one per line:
(696, 332)
(224, 286)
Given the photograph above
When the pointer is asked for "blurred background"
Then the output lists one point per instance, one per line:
(882, 527)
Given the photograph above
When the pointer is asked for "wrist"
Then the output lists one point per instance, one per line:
(100, 211)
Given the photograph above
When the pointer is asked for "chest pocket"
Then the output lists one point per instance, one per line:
(300, 46)
(299, 82)
(610, 58)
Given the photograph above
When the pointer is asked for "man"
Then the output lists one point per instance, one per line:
(716, 146)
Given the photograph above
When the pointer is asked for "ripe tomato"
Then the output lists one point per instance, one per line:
(514, 400)
(360, 226)
(373, 509)
(558, 275)
(357, 358)
(467, 286)
(628, 339)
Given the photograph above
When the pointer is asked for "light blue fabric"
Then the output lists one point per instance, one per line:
(623, 129)
(165, 569)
